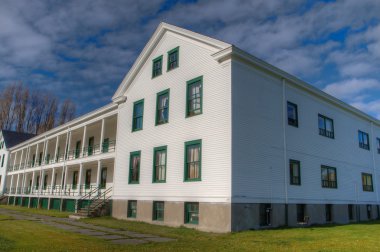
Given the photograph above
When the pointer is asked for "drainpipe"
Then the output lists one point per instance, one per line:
(285, 158)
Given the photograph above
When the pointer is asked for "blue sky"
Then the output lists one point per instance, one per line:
(82, 49)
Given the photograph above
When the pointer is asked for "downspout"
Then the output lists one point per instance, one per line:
(374, 173)
(285, 158)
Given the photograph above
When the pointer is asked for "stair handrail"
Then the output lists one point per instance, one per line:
(99, 196)
(87, 195)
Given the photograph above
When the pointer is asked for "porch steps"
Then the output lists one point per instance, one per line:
(99, 204)
(3, 199)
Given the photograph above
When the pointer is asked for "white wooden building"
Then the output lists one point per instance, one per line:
(211, 137)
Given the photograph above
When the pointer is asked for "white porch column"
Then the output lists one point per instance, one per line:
(102, 136)
(67, 147)
(84, 140)
(56, 149)
(23, 183)
(14, 161)
(27, 157)
(80, 177)
(66, 171)
(18, 177)
(32, 186)
(52, 181)
(98, 175)
(36, 158)
(11, 185)
(44, 154)
(42, 172)
(20, 162)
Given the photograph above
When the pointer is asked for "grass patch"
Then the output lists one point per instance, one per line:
(52, 213)
(26, 235)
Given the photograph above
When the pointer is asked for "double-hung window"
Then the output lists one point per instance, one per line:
(367, 182)
(194, 98)
(326, 126)
(193, 158)
(328, 176)
(132, 209)
(138, 113)
(292, 114)
(134, 167)
(162, 111)
(157, 67)
(378, 145)
(173, 58)
(158, 210)
(191, 213)
(363, 140)
(159, 164)
(295, 172)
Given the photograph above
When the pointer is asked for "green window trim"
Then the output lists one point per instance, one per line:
(186, 165)
(192, 213)
(323, 123)
(135, 117)
(131, 158)
(294, 179)
(169, 67)
(157, 71)
(155, 151)
(367, 182)
(329, 183)
(194, 112)
(363, 140)
(132, 209)
(158, 210)
(160, 94)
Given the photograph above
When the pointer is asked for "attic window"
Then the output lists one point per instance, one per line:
(157, 67)
(173, 58)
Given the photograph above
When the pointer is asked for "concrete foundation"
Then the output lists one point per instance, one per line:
(223, 217)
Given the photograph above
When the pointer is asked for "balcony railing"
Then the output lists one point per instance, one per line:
(74, 154)
(57, 190)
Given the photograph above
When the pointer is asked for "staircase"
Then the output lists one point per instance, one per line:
(3, 199)
(98, 204)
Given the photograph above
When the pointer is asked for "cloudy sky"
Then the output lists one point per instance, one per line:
(83, 48)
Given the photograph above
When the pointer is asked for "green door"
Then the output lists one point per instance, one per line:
(75, 180)
(90, 146)
(11, 200)
(106, 144)
(55, 204)
(77, 149)
(103, 178)
(25, 202)
(69, 205)
(34, 203)
(88, 179)
(44, 203)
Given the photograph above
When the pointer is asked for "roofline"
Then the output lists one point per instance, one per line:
(245, 57)
(106, 108)
(118, 97)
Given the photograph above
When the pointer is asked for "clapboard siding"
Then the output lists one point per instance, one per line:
(213, 127)
(260, 173)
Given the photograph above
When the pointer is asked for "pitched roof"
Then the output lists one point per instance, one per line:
(12, 138)
(153, 41)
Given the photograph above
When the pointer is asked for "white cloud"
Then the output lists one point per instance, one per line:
(351, 88)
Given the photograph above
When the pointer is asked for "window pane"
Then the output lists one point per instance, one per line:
(321, 122)
(329, 125)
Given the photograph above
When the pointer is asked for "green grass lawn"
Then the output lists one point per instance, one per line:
(53, 213)
(16, 235)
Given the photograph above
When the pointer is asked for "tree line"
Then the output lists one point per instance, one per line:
(32, 111)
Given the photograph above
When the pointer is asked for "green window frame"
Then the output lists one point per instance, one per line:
(367, 182)
(162, 107)
(75, 180)
(295, 172)
(159, 164)
(158, 210)
(193, 160)
(363, 140)
(77, 149)
(194, 97)
(134, 167)
(2, 161)
(326, 126)
(138, 115)
(103, 178)
(329, 177)
(173, 59)
(192, 213)
(132, 209)
(45, 181)
(157, 66)
(292, 110)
